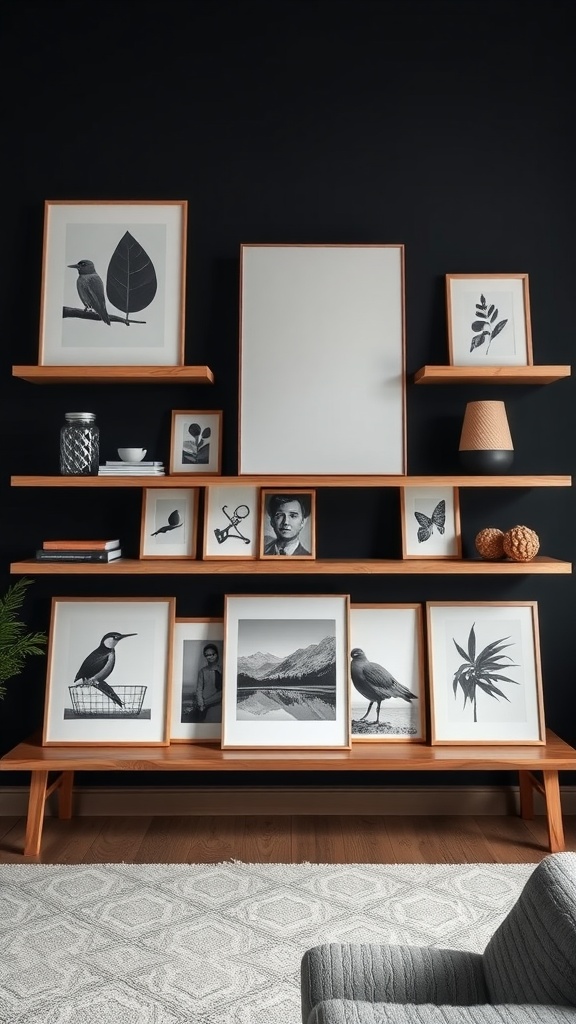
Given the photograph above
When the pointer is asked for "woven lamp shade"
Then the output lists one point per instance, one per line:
(485, 442)
(485, 428)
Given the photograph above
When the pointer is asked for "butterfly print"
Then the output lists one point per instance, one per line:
(427, 523)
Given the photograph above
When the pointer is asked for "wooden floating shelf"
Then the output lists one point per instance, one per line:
(204, 480)
(490, 374)
(114, 374)
(293, 567)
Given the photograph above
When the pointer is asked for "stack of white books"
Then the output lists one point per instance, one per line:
(119, 468)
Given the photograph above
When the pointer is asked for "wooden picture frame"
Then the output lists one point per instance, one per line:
(107, 265)
(196, 705)
(169, 524)
(488, 320)
(430, 519)
(231, 522)
(196, 441)
(286, 672)
(86, 705)
(287, 523)
(485, 674)
(322, 360)
(388, 694)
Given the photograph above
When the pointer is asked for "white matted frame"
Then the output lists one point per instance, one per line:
(169, 523)
(488, 320)
(231, 524)
(388, 697)
(113, 283)
(196, 441)
(87, 705)
(288, 523)
(485, 675)
(322, 360)
(196, 710)
(430, 522)
(286, 672)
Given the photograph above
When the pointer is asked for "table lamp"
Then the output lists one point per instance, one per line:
(485, 443)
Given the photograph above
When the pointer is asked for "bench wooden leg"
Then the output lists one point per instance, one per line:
(35, 819)
(526, 795)
(65, 795)
(554, 812)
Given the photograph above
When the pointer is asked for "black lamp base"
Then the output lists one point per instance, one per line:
(492, 460)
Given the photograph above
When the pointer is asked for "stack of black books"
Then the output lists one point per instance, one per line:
(79, 551)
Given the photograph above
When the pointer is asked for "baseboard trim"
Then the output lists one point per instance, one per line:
(221, 800)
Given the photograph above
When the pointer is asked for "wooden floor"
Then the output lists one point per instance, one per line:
(285, 839)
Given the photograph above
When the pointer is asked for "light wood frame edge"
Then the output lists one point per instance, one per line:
(266, 492)
(182, 203)
(421, 647)
(165, 741)
(348, 745)
(434, 741)
(201, 474)
(191, 556)
(526, 301)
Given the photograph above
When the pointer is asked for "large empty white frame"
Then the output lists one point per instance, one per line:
(322, 376)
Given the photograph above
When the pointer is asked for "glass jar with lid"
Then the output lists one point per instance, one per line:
(79, 445)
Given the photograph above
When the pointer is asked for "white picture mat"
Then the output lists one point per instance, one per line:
(515, 720)
(159, 503)
(280, 733)
(77, 629)
(322, 360)
(393, 638)
(92, 231)
(425, 500)
(186, 663)
(510, 347)
(232, 497)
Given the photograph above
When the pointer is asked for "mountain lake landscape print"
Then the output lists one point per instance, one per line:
(286, 670)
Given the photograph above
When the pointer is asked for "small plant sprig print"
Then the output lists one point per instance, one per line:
(483, 671)
(486, 315)
(198, 448)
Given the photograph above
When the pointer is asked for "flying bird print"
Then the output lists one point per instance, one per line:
(96, 668)
(375, 683)
(427, 523)
(91, 288)
(174, 521)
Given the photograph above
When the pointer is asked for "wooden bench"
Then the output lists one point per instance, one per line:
(547, 760)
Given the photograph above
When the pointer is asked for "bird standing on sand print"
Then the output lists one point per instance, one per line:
(91, 288)
(375, 683)
(96, 668)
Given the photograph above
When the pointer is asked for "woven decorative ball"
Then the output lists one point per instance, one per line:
(521, 543)
(490, 543)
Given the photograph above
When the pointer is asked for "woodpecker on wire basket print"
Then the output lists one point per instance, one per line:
(92, 675)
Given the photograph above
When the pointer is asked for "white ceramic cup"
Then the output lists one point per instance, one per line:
(132, 454)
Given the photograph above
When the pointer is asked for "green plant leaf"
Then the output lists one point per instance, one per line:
(15, 643)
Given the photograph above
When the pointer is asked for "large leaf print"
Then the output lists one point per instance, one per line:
(131, 280)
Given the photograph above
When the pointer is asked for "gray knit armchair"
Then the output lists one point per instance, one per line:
(526, 974)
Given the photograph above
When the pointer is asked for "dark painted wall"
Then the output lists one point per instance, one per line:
(445, 125)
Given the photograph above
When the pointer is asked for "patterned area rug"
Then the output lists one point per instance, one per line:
(217, 943)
